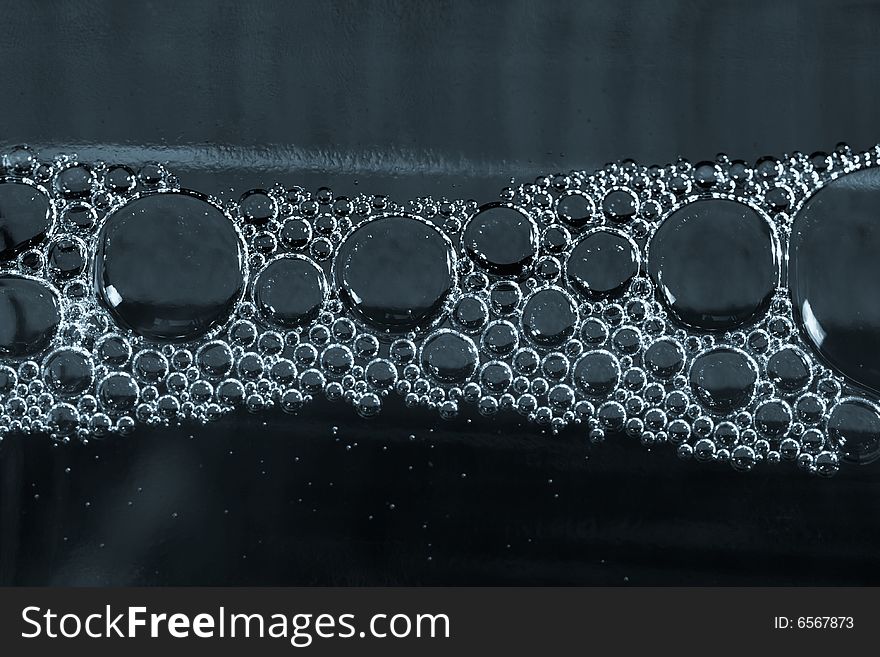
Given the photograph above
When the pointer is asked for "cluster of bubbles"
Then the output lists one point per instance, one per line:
(577, 299)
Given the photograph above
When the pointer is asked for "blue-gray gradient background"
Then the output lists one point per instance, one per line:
(414, 98)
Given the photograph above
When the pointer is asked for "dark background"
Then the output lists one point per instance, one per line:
(416, 98)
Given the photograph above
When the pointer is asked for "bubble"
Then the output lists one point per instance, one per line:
(526, 404)
(296, 233)
(820, 161)
(779, 198)
(68, 371)
(118, 392)
(596, 373)
(501, 238)
(66, 257)
(500, 338)
(470, 313)
(594, 331)
(676, 403)
(449, 357)
(743, 458)
(151, 174)
(833, 274)
(602, 264)
(20, 160)
(214, 359)
(505, 297)
(664, 358)
(611, 415)
(789, 370)
(336, 360)
(270, 343)
(250, 366)
(768, 167)
(549, 317)
(680, 184)
(343, 330)
(487, 406)
(759, 341)
(854, 426)
(575, 208)
(496, 376)
(8, 379)
(305, 354)
(76, 290)
(826, 464)
(723, 379)
(620, 205)
(810, 408)
(828, 388)
(368, 405)
(812, 441)
(120, 179)
(258, 207)
(707, 174)
(627, 340)
(526, 361)
(30, 313)
(381, 373)
(149, 366)
(176, 382)
(555, 238)
(324, 195)
(779, 327)
(113, 350)
(325, 224)
(264, 243)
(319, 334)
(555, 366)
(32, 261)
(291, 401)
(561, 397)
(80, 216)
(715, 264)
(634, 379)
(230, 393)
(679, 431)
(100, 424)
(290, 291)
(476, 281)
(283, 372)
(367, 346)
(243, 333)
(169, 266)
(62, 419)
(548, 269)
(704, 450)
(395, 272)
(168, 406)
(25, 217)
(773, 419)
(74, 181)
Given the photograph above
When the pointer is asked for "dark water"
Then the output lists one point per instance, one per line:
(405, 497)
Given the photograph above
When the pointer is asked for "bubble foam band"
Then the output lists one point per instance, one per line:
(726, 309)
